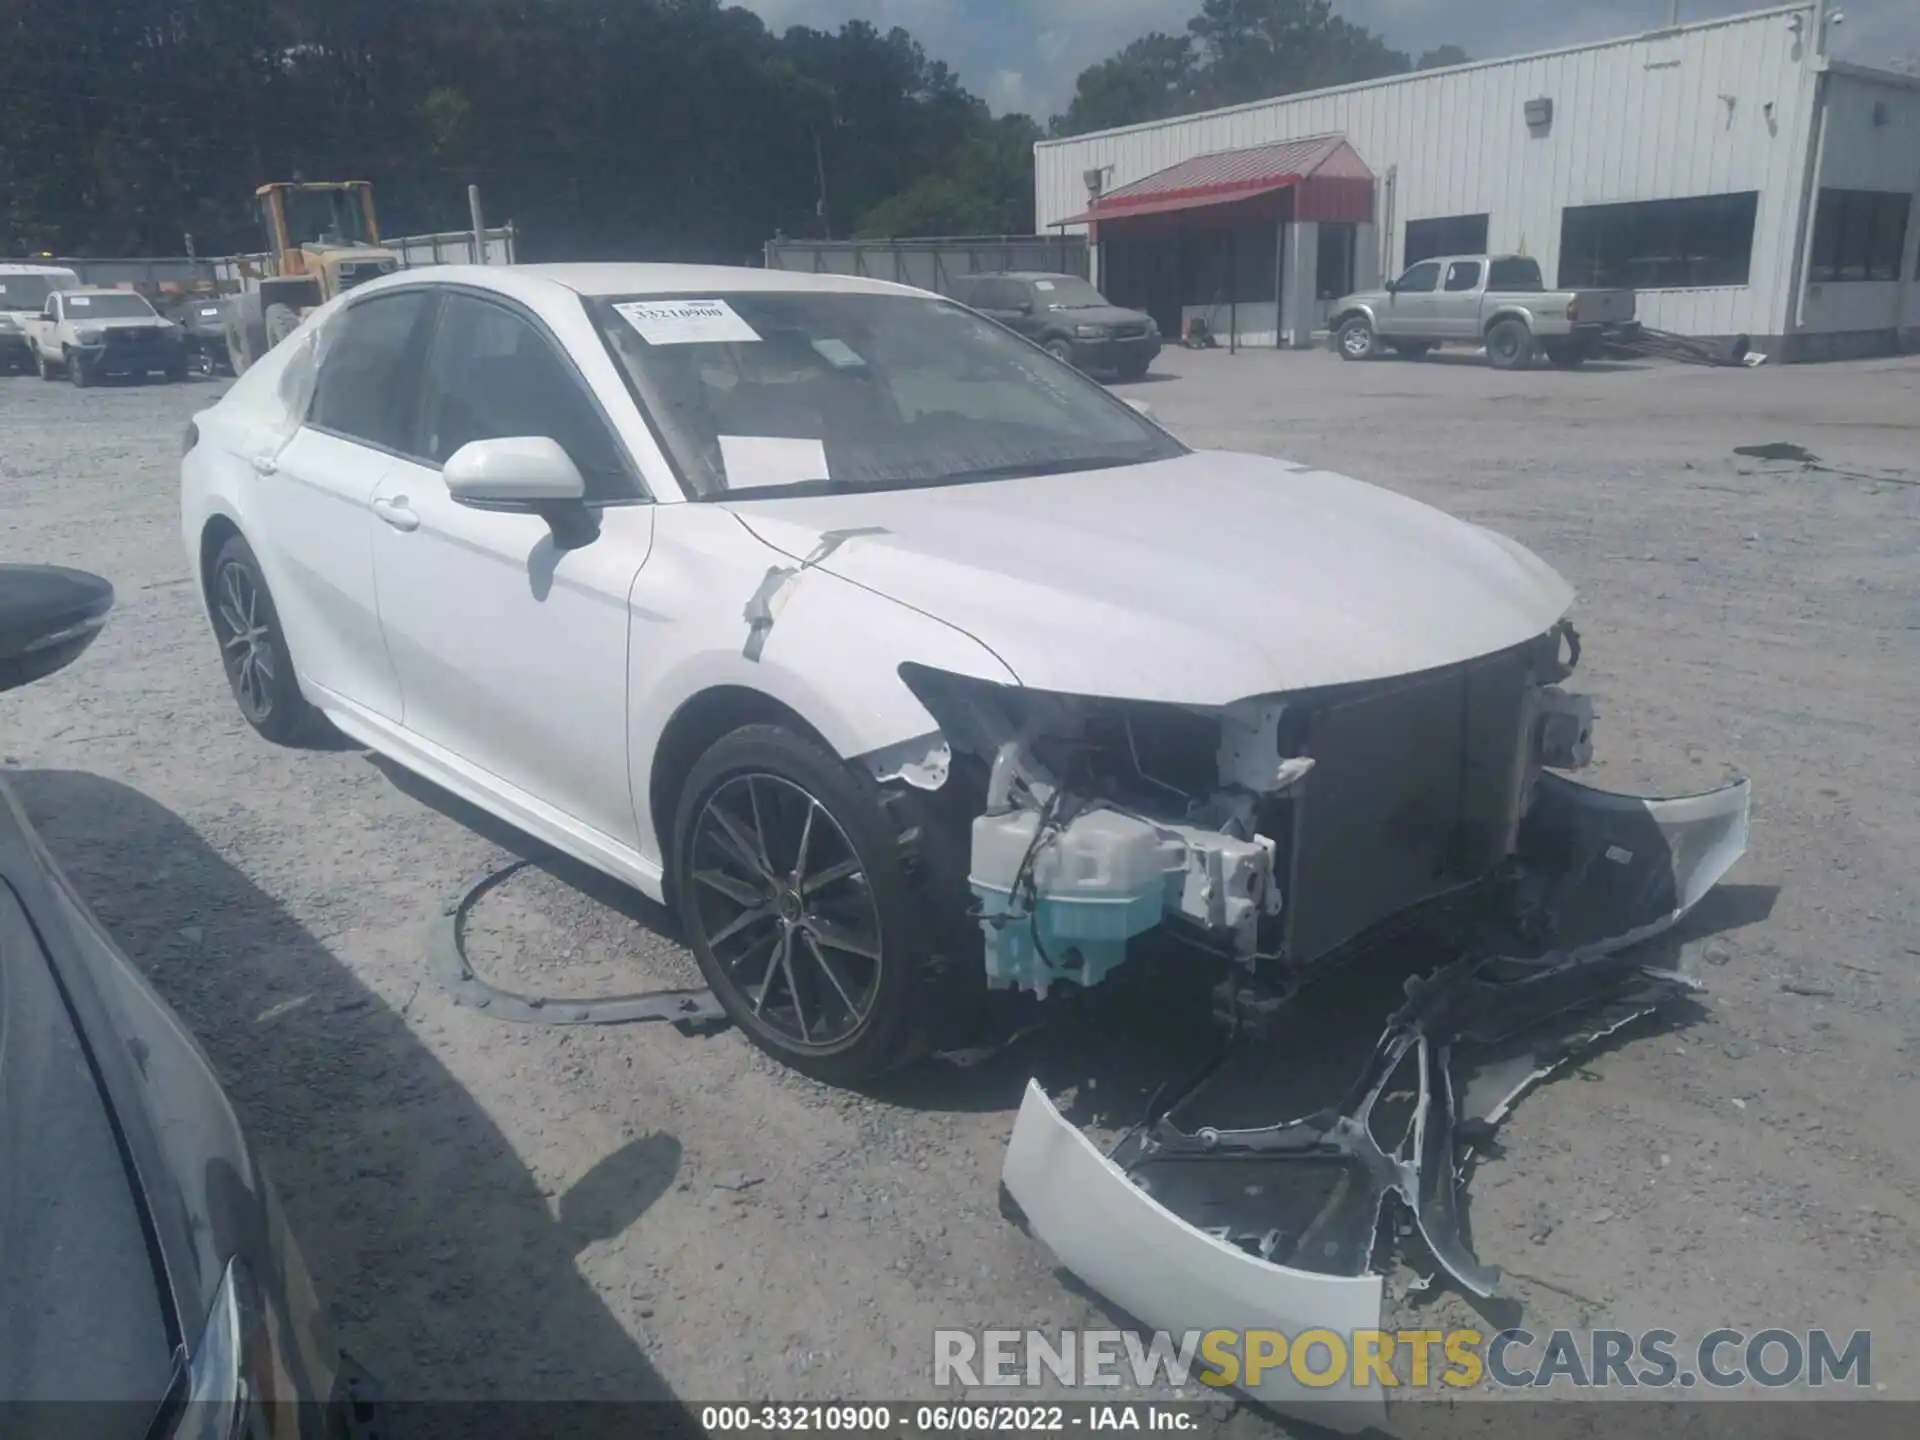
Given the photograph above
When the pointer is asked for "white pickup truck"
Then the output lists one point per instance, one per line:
(23, 295)
(89, 335)
(1496, 301)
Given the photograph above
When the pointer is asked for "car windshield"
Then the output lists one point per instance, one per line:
(29, 292)
(1067, 292)
(778, 392)
(107, 307)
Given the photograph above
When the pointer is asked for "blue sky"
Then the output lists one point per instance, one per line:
(1024, 54)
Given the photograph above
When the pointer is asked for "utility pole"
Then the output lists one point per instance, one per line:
(479, 225)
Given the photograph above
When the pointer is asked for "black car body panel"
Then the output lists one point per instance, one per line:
(185, 1159)
(131, 1206)
(83, 1315)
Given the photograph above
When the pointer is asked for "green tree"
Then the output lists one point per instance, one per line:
(1442, 57)
(1151, 79)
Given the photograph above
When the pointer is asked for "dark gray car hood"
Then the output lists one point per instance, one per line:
(1097, 315)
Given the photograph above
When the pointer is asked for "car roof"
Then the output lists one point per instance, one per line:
(9, 268)
(640, 279)
(1020, 275)
(102, 290)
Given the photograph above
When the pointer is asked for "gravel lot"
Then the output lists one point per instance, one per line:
(516, 1212)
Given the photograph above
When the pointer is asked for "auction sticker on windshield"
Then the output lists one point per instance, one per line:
(686, 322)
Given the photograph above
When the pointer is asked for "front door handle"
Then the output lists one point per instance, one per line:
(265, 465)
(397, 514)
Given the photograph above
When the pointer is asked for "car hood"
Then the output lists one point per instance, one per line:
(1098, 315)
(1197, 580)
(128, 322)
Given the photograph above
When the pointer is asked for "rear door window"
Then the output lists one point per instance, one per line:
(1463, 275)
(364, 387)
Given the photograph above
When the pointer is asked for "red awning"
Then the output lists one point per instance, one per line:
(1330, 180)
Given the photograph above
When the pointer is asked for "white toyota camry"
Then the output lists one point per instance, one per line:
(901, 659)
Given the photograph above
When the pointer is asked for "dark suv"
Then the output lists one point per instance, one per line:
(1067, 316)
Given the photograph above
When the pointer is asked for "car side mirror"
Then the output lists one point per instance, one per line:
(1139, 407)
(525, 474)
(48, 615)
(1393, 287)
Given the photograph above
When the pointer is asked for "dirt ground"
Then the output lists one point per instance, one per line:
(502, 1211)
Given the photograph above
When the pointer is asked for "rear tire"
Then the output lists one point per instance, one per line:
(281, 322)
(253, 648)
(879, 872)
(1356, 340)
(1510, 346)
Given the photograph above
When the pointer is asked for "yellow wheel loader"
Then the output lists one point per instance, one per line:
(322, 238)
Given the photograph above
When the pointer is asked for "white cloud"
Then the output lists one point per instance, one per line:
(1045, 44)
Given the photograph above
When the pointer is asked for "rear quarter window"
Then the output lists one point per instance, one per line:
(1515, 275)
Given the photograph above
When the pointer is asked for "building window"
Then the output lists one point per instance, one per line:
(1859, 235)
(1659, 244)
(1449, 235)
(1227, 264)
(1333, 265)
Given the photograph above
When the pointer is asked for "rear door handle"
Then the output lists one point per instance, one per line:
(397, 514)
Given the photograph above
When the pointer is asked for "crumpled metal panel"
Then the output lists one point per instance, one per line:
(1269, 1226)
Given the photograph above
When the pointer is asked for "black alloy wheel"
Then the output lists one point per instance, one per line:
(787, 910)
(824, 909)
(253, 651)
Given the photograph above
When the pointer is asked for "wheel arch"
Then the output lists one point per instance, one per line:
(216, 532)
(700, 720)
(1525, 317)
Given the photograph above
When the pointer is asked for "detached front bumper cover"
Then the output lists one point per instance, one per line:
(1276, 1227)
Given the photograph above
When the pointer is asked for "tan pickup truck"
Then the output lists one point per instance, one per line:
(1496, 301)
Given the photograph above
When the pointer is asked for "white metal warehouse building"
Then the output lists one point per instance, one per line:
(1731, 172)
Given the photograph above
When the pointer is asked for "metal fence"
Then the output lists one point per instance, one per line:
(451, 247)
(931, 264)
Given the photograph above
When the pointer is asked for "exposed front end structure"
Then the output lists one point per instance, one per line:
(1271, 832)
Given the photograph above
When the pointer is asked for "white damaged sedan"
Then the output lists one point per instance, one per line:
(905, 662)
(901, 659)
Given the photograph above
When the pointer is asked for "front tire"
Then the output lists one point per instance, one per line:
(819, 905)
(40, 364)
(1061, 350)
(1357, 340)
(1510, 346)
(78, 373)
(253, 648)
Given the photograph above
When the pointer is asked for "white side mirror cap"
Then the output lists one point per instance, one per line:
(522, 470)
(1141, 406)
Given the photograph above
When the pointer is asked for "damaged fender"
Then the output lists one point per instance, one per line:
(831, 653)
